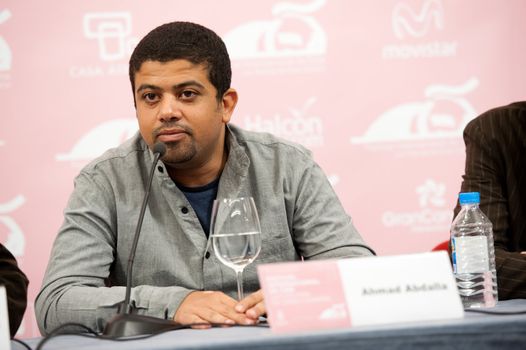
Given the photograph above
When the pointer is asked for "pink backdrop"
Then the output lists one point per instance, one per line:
(379, 90)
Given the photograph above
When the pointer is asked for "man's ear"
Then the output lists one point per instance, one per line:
(228, 102)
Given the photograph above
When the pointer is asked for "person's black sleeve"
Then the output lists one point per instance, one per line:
(494, 162)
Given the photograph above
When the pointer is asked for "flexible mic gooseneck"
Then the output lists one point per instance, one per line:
(159, 149)
(127, 323)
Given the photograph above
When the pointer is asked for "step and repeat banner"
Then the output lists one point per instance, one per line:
(380, 91)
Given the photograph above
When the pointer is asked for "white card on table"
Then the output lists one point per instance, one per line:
(359, 291)
(5, 334)
(400, 288)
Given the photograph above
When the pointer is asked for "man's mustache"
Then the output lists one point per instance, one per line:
(171, 125)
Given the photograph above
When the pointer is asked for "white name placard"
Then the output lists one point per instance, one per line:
(5, 335)
(401, 288)
(360, 291)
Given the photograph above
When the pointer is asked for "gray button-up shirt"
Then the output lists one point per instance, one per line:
(300, 216)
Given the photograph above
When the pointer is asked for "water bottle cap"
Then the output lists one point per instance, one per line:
(469, 198)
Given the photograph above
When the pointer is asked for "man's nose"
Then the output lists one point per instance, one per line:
(169, 109)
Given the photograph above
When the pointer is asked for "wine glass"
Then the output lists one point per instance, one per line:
(236, 234)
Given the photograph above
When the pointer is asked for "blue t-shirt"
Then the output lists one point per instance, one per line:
(202, 200)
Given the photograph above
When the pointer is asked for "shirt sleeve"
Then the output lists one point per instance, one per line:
(485, 173)
(321, 227)
(15, 283)
(77, 285)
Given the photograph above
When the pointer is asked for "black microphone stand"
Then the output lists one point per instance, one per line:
(127, 323)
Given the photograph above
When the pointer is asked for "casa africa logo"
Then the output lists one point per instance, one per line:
(417, 28)
(96, 141)
(15, 241)
(419, 120)
(292, 38)
(432, 216)
(297, 125)
(111, 31)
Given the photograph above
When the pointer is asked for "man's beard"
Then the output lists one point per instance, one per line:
(178, 152)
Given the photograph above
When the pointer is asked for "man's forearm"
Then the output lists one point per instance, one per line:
(94, 306)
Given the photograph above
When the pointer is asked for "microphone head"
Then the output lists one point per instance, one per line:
(160, 148)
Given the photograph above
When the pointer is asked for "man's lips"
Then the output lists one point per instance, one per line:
(171, 135)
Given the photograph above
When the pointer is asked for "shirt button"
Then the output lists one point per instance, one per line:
(207, 255)
(184, 210)
(160, 168)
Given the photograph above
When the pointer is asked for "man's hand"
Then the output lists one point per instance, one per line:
(252, 306)
(210, 307)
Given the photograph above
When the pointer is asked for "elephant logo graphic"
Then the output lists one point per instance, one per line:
(104, 136)
(419, 120)
(292, 32)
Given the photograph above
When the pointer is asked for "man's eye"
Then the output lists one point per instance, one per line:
(150, 97)
(188, 94)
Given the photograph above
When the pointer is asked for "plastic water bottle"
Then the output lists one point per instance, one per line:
(473, 254)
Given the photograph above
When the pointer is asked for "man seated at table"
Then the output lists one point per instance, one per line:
(496, 167)
(180, 75)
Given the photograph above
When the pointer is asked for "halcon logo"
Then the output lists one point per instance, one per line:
(111, 30)
(5, 51)
(432, 215)
(296, 126)
(292, 32)
(418, 120)
(407, 22)
(15, 237)
(99, 139)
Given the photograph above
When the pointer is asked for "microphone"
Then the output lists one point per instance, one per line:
(127, 323)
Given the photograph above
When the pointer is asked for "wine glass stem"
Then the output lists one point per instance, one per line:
(239, 275)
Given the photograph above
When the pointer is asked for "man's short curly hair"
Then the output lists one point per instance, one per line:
(188, 41)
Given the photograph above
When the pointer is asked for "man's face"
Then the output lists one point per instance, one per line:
(177, 105)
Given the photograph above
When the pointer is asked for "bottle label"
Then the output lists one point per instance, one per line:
(470, 254)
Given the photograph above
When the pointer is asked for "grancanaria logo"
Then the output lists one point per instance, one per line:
(432, 215)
